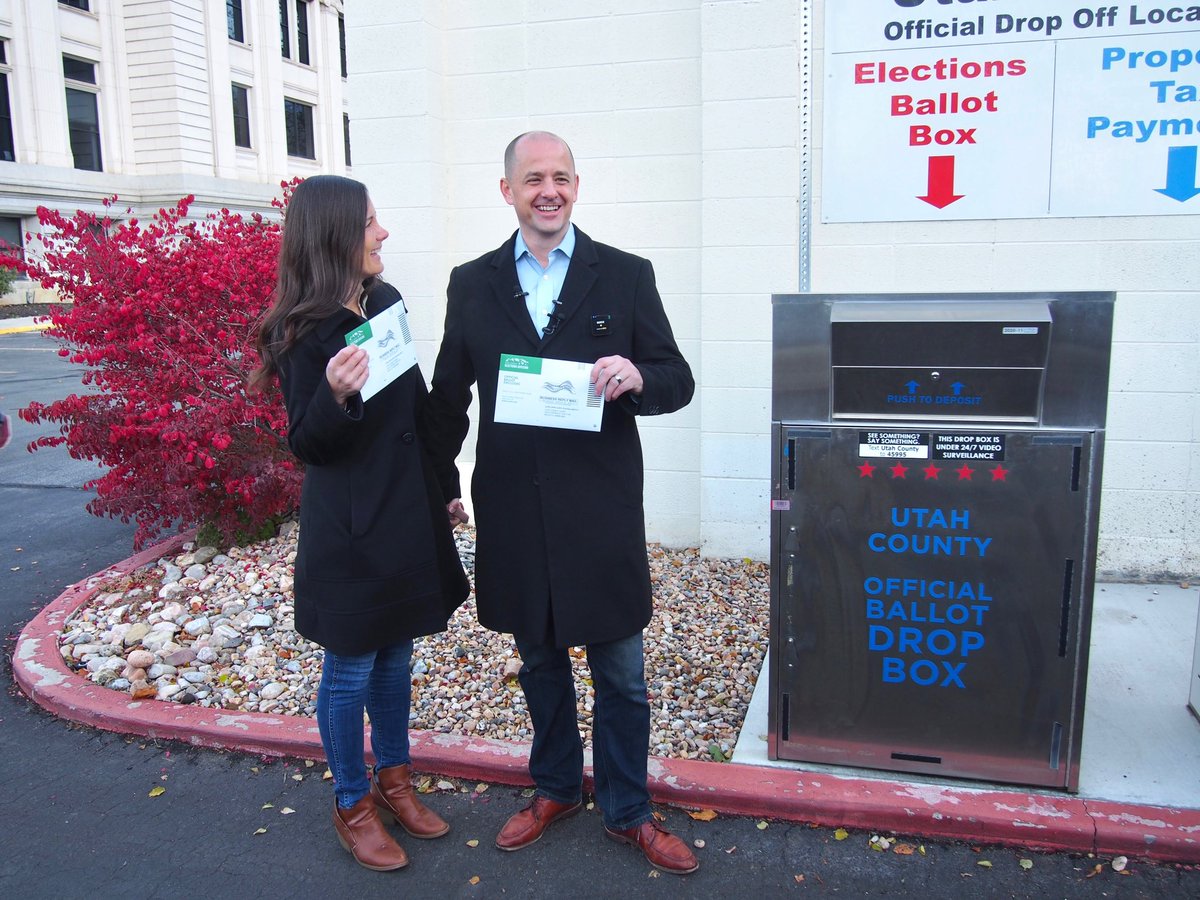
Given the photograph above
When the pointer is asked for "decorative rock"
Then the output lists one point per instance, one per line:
(171, 591)
(171, 574)
(703, 648)
(136, 632)
(140, 659)
(180, 657)
(512, 668)
(195, 572)
(197, 626)
(205, 554)
(272, 690)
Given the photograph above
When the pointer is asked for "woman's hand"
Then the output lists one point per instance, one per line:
(347, 373)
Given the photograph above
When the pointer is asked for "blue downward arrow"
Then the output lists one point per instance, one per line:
(912, 387)
(1181, 174)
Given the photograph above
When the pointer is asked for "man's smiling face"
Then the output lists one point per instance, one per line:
(542, 188)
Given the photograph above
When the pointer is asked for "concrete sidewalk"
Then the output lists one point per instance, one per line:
(1131, 802)
(22, 324)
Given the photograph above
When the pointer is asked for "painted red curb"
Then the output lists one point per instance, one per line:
(979, 815)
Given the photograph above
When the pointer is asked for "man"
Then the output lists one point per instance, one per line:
(561, 539)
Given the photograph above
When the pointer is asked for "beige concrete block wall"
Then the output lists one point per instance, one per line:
(684, 115)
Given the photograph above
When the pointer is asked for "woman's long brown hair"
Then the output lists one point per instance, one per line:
(320, 265)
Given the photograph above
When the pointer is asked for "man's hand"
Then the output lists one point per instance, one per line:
(616, 375)
(347, 373)
(457, 512)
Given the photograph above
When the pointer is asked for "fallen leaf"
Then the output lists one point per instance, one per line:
(921, 849)
(474, 879)
(528, 792)
(445, 786)
(659, 817)
(703, 815)
(1119, 863)
(474, 842)
(267, 806)
(1026, 864)
(262, 830)
(762, 826)
(841, 834)
(157, 791)
(983, 863)
(254, 769)
(481, 787)
(731, 849)
(591, 805)
(799, 879)
(286, 811)
(716, 753)
(653, 873)
(297, 777)
(308, 764)
(904, 849)
(328, 776)
(1096, 870)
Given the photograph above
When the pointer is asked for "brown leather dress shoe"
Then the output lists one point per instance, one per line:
(397, 802)
(662, 849)
(525, 827)
(361, 832)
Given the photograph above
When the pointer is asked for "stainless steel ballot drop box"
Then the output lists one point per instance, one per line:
(936, 477)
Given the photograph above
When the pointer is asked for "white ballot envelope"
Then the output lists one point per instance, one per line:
(389, 346)
(552, 393)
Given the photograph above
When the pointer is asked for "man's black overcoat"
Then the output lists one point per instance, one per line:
(558, 512)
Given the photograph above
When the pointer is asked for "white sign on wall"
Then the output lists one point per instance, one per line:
(985, 109)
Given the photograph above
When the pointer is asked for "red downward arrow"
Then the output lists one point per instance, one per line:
(941, 182)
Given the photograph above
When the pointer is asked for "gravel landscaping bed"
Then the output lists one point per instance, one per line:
(217, 630)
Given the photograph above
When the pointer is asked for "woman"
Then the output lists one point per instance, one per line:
(376, 563)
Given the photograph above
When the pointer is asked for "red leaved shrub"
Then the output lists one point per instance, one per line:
(163, 315)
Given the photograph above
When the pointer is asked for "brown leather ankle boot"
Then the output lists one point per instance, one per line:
(362, 833)
(397, 801)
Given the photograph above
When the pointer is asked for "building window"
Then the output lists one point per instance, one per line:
(294, 11)
(285, 44)
(83, 116)
(299, 120)
(77, 4)
(233, 17)
(241, 116)
(8, 150)
(346, 135)
(79, 70)
(11, 234)
(302, 31)
(342, 44)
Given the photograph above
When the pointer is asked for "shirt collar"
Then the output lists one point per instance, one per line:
(566, 245)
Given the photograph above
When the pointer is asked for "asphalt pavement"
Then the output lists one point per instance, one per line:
(85, 817)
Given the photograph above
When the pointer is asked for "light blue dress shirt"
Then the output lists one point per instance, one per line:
(543, 285)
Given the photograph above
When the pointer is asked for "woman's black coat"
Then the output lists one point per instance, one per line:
(376, 562)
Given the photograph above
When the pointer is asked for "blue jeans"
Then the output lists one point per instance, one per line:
(380, 683)
(620, 726)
